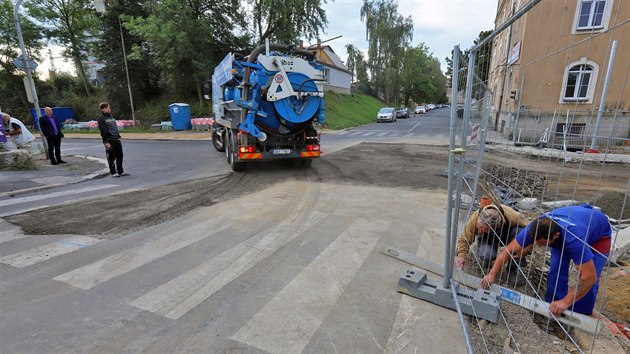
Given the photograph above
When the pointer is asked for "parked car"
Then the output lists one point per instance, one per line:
(419, 110)
(387, 114)
(402, 112)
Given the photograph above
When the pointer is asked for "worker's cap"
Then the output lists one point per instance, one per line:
(490, 216)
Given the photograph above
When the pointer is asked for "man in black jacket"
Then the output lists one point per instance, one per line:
(111, 140)
(51, 129)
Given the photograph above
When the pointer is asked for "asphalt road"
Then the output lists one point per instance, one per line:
(261, 266)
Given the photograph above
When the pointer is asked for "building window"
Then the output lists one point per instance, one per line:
(327, 76)
(576, 86)
(573, 130)
(591, 14)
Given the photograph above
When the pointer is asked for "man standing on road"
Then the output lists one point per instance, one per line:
(577, 233)
(51, 129)
(111, 140)
(493, 225)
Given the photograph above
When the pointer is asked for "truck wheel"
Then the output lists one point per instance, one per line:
(229, 151)
(218, 140)
(307, 163)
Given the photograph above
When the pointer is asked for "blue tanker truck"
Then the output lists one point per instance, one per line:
(267, 106)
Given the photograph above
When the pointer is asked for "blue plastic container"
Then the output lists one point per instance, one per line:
(60, 113)
(180, 116)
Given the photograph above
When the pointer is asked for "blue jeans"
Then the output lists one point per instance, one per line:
(558, 279)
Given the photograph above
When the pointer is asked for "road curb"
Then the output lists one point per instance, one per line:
(98, 174)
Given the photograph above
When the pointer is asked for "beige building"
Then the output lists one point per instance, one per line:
(557, 56)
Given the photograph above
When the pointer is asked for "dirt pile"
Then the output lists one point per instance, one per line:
(525, 183)
(615, 204)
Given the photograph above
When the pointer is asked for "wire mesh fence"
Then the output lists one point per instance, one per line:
(545, 104)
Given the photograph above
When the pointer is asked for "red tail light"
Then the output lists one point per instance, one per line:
(312, 147)
(249, 149)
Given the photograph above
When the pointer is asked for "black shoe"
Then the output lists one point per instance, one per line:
(61, 161)
(54, 163)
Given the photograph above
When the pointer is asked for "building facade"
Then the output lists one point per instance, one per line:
(338, 77)
(552, 64)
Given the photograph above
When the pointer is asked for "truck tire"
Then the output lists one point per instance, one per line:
(230, 147)
(218, 139)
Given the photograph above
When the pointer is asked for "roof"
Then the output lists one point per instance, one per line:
(327, 56)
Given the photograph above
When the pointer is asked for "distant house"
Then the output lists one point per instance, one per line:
(338, 77)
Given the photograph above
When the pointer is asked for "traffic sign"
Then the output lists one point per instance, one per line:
(20, 63)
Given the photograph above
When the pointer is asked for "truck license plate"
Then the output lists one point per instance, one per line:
(281, 151)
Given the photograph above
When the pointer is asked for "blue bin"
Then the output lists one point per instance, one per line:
(180, 116)
(60, 113)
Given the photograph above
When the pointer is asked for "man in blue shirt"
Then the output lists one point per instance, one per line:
(576, 233)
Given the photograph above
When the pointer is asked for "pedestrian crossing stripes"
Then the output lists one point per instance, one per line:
(178, 296)
(45, 196)
(376, 133)
(299, 304)
(46, 252)
(290, 319)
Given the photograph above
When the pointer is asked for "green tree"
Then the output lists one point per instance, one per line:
(388, 34)
(186, 39)
(285, 21)
(438, 80)
(144, 75)
(351, 62)
(69, 23)
(416, 81)
(12, 94)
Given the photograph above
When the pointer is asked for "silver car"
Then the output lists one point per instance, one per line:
(387, 114)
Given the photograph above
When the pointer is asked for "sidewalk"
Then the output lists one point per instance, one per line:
(77, 169)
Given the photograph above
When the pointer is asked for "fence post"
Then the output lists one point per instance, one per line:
(448, 257)
(613, 51)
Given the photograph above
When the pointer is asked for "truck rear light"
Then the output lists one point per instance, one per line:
(249, 149)
(312, 147)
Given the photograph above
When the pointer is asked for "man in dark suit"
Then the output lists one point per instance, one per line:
(51, 129)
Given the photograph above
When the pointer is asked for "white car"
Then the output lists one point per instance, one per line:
(387, 114)
(419, 110)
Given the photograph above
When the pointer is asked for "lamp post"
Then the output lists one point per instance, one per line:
(29, 72)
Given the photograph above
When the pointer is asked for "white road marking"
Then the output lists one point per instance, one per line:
(42, 253)
(22, 211)
(82, 147)
(95, 273)
(170, 240)
(409, 333)
(38, 197)
(368, 133)
(414, 127)
(382, 134)
(178, 296)
(291, 318)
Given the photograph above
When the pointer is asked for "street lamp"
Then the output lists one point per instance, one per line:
(29, 71)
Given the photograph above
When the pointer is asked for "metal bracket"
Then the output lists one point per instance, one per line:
(480, 303)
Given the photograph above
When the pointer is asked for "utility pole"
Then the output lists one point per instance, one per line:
(102, 9)
(29, 72)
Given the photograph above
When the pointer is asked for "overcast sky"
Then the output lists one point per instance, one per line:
(440, 24)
